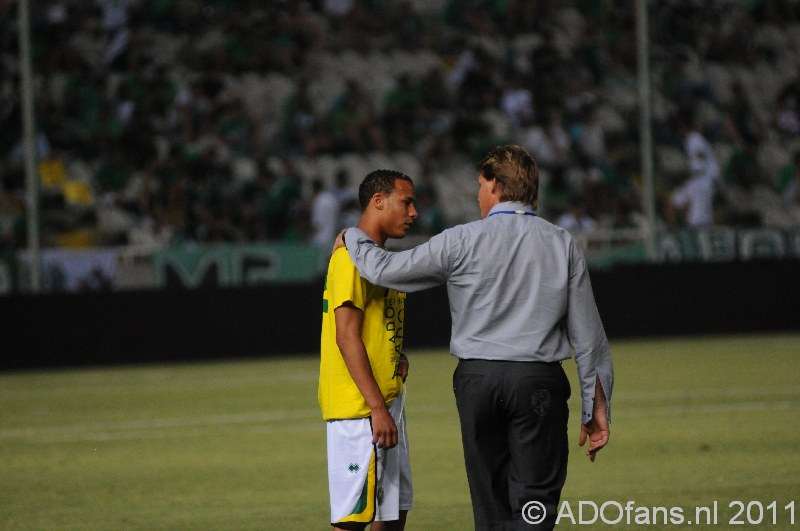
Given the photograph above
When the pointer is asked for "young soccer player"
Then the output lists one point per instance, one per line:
(362, 372)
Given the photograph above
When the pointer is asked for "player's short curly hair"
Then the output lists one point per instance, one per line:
(516, 169)
(378, 181)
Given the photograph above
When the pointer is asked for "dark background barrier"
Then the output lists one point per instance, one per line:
(58, 330)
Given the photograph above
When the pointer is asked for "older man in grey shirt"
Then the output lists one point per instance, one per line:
(520, 301)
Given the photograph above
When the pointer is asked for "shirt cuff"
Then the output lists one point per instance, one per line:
(351, 237)
(588, 402)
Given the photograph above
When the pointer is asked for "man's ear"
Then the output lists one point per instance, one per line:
(495, 187)
(378, 200)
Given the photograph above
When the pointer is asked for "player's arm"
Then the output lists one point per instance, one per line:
(348, 338)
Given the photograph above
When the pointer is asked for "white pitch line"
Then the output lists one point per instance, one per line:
(154, 385)
(683, 410)
(304, 420)
(715, 393)
(155, 424)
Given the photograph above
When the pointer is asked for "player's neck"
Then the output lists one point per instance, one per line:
(372, 230)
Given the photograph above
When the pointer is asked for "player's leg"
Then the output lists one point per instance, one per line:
(394, 493)
(352, 473)
(394, 525)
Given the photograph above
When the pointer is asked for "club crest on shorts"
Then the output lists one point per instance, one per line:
(354, 468)
(540, 401)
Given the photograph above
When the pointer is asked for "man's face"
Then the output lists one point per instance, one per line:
(400, 212)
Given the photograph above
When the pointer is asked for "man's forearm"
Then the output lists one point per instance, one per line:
(412, 270)
(357, 362)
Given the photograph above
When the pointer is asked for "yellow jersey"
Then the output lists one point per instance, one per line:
(381, 332)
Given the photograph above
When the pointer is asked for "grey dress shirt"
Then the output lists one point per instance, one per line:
(518, 289)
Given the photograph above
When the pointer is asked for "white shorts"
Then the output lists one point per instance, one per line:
(365, 482)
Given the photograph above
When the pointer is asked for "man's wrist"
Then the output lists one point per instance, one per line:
(380, 407)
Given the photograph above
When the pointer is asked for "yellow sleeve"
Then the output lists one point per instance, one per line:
(344, 283)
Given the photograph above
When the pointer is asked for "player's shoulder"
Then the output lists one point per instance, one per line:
(341, 257)
(340, 264)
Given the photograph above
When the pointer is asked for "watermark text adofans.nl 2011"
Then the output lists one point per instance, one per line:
(736, 512)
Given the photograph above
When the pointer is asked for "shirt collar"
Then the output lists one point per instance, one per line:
(510, 205)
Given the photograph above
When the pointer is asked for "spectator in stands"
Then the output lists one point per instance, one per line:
(430, 216)
(406, 25)
(436, 142)
(336, 11)
(354, 122)
(402, 113)
(546, 67)
(588, 52)
(701, 159)
(516, 101)
(254, 198)
(589, 137)
(675, 83)
(741, 121)
(113, 172)
(193, 106)
(324, 215)
(575, 219)
(234, 128)
(281, 203)
(304, 130)
(115, 25)
(789, 181)
(477, 92)
(12, 219)
(691, 203)
(549, 142)
(355, 21)
(480, 18)
(583, 176)
(306, 33)
(743, 169)
(523, 16)
(475, 80)
(347, 196)
(787, 115)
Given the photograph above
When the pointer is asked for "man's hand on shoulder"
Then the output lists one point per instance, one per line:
(339, 242)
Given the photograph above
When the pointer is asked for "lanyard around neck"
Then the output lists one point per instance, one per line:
(518, 212)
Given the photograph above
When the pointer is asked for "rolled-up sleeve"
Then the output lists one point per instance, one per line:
(588, 338)
(425, 266)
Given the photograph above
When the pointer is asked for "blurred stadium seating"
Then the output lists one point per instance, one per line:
(197, 97)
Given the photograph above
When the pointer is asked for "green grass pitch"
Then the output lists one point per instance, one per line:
(240, 445)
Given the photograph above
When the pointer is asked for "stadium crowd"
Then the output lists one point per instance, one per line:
(146, 132)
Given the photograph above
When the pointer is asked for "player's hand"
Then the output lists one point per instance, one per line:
(384, 429)
(596, 432)
(401, 369)
(339, 242)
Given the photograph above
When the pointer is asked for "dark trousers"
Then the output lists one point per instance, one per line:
(514, 431)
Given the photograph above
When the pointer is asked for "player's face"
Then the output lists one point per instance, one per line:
(400, 211)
